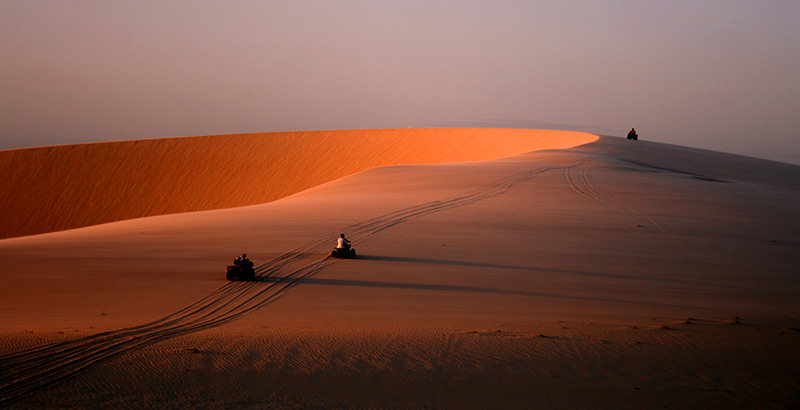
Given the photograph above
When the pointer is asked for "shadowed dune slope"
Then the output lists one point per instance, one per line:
(62, 187)
(617, 274)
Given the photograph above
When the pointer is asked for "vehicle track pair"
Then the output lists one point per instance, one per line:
(25, 372)
(579, 182)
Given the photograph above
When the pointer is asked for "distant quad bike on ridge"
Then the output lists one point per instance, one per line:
(241, 270)
(343, 253)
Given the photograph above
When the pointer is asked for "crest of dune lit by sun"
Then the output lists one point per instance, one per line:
(63, 187)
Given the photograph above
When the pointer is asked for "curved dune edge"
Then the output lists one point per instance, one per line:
(63, 187)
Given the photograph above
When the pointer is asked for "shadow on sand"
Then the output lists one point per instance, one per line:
(468, 289)
(512, 267)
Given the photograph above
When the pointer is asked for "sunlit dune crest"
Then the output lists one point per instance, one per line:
(628, 273)
(56, 188)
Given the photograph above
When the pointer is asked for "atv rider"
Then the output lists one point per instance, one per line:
(240, 259)
(243, 261)
(342, 243)
(632, 135)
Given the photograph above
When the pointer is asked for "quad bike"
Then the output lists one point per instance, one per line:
(241, 270)
(344, 253)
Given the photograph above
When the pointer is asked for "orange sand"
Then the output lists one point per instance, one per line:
(63, 187)
(608, 275)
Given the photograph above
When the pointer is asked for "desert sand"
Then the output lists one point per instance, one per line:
(574, 272)
(63, 187)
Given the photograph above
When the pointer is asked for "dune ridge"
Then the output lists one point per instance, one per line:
(63, 187)
(633, 274)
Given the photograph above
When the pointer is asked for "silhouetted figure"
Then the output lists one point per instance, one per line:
(243, 261)
(632, 135)
(242, 269)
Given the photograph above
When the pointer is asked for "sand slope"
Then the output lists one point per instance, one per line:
(56, 188)
(608, 275)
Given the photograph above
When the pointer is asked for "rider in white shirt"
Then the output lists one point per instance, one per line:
(342, 242)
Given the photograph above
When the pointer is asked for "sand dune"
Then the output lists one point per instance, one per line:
(56, 188)
(614, 274)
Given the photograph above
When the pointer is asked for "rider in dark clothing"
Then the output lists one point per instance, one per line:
(242, 261)
(632, 135)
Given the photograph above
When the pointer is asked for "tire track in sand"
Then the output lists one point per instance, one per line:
(579, 182)
(25, 372)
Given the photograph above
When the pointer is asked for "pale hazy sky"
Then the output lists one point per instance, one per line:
(723, 75)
